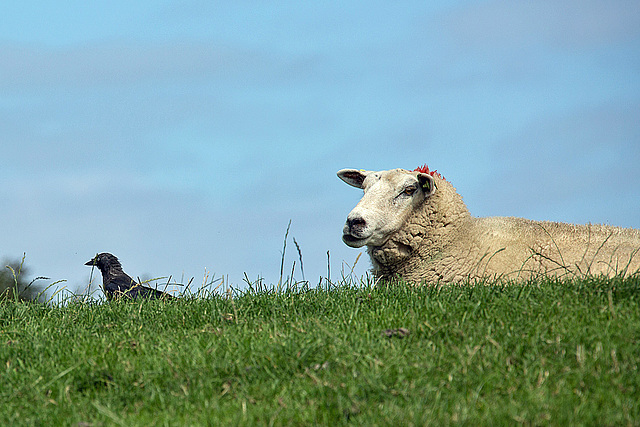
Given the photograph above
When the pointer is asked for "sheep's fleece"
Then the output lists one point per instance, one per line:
(416, 227)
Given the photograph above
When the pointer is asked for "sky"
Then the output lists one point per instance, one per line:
(183, 136)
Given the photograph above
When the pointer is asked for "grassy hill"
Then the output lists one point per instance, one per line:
(551, 352)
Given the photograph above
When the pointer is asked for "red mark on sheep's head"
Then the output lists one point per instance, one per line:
(425, 169)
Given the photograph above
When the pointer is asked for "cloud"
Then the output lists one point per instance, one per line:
(117, 64)
(175, 112)
(565, 24)
(515, 43)
(577, 167)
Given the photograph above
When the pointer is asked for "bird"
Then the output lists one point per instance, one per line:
(116, 283)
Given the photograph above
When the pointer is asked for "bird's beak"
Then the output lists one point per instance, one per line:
(91, 262)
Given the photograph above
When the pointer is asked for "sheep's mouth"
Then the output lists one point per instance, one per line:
(353, 241)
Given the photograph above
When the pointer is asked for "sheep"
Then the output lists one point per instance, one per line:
(416, 227)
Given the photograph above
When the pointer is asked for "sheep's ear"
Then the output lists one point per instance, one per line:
(427, 183)
(353, 177)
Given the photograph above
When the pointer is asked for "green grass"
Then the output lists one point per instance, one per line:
(560, 353)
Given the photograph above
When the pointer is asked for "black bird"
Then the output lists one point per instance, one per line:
(116, 283)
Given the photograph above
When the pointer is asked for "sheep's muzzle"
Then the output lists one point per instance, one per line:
(354, 233)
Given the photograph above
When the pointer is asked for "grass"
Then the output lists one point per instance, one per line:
(550, 352)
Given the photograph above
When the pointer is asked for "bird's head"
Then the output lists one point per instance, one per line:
(104, 261)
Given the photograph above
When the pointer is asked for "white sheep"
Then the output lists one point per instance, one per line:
(416, 227)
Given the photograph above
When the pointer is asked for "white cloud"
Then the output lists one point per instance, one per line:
(577, 167)
(560, 23)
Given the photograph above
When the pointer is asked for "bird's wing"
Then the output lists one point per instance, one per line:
(154, 293)
(119, 283)
(140, 291)
(124, 285)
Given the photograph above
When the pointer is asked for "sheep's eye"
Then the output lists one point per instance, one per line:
(410, 190)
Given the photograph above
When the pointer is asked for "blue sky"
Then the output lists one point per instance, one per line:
(183, 136)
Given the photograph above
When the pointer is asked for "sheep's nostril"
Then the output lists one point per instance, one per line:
(356, 223)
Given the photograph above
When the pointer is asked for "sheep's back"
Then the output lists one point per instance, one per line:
(521, 248)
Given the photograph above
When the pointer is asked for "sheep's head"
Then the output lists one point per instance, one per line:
(389, 198)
